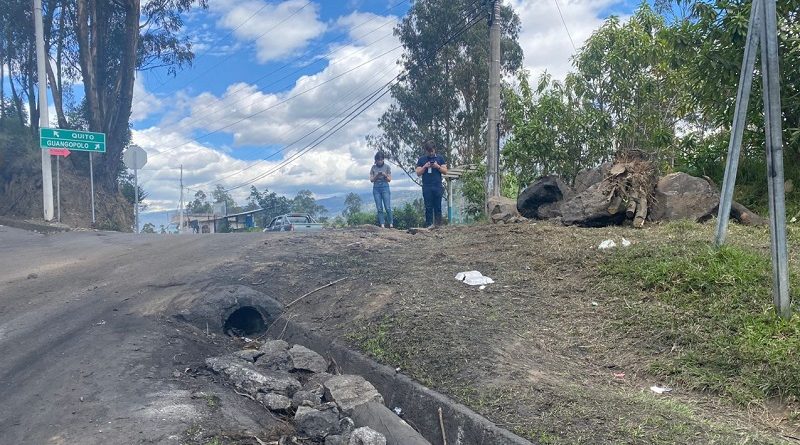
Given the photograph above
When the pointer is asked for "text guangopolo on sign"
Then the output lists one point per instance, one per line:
(73, 140)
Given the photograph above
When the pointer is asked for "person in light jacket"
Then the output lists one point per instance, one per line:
(381, 175)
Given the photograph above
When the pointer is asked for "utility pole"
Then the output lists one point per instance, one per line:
(47, 172)
(492, 153)
(180, 207)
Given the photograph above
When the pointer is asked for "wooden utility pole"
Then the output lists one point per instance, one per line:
(492, 141)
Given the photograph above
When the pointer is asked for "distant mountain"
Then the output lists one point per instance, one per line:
(335, 204)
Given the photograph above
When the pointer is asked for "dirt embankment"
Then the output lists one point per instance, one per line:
(21, 196)
(546, 351)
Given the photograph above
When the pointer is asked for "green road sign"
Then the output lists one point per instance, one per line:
(73, 140)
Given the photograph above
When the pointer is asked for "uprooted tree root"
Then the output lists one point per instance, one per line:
(631, 184)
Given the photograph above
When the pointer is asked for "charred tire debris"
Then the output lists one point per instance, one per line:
(331, 394)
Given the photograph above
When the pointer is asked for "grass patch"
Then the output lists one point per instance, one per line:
(711, 311)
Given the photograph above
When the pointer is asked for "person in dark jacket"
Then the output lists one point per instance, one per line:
(431, 167)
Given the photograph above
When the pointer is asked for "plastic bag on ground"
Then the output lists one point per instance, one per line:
(473, 278)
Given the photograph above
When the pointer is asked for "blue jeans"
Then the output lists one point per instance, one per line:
(383, 202)
(432, 195)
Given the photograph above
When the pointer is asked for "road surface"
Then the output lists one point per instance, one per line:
(88, 354)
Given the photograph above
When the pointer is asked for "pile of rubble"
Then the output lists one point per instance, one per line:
(625, 191)
(293, 381)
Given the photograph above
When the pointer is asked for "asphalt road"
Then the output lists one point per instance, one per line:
(88, 354)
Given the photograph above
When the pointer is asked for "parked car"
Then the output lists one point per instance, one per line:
(293, 222)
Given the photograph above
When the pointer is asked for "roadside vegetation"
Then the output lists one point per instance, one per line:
(707, 313)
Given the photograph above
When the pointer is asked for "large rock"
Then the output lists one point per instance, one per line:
(683, 196)
(542, 198)
(274, 402)
(349, 391)
(317, 424)
(383, 420)
(366, 436)
(593, 208)
(502, 209)
(591, 176)
(274, 356)
(304, 359)
(251, 380)
(248, 354)
(306, 398)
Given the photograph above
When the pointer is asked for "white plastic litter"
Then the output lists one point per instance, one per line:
(473, 278)
(660, 389)
(625, 243)
(607, 244)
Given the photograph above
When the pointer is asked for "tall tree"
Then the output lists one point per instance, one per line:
(304, 202)
(200, 205)
(443, 94)
(352, 205)
(220, 195)
(115, 39)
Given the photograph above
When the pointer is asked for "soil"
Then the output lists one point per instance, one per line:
(542, 351)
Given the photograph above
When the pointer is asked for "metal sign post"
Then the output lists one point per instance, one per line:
(91, 184)
(135, 158)
(763, 29)
(61, 141)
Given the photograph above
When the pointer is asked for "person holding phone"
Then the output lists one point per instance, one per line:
(431, 167)
(381, 175)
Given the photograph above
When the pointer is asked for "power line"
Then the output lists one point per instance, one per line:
(296, 141)
(217, 130)
(296, 59)
(351, 116)
(231, 93)
(558, 7)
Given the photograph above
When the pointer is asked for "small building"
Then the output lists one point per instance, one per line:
(456, 202)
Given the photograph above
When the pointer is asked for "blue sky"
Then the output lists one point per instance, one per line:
(268, 72)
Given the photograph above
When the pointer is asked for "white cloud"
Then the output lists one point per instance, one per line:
(544, 40)
(338, 165)
(278, 30)
(144, 103)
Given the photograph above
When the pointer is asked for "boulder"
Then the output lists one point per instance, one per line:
(383, 420)
(366, 436)
(306, 398)
(542, 198)
(683, 196)
(591, 176)
(304, 359)
(249, 355)
(274, 402)
(274, 356)
(317, 424)
(349, 391)
(593, 208)
(251, 380)
(502, 209)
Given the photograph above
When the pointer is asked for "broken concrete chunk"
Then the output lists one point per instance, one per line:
(316, 424)
(304, 359)
(274, 345)
(246, 377)
(349, 391)
(274, 402)
(276, 359)
(248, 354)
(337, 439)
(306, 398)
(366, 436)
(387, 422)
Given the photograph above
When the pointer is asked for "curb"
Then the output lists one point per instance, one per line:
(419, 404)
(33, 226)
